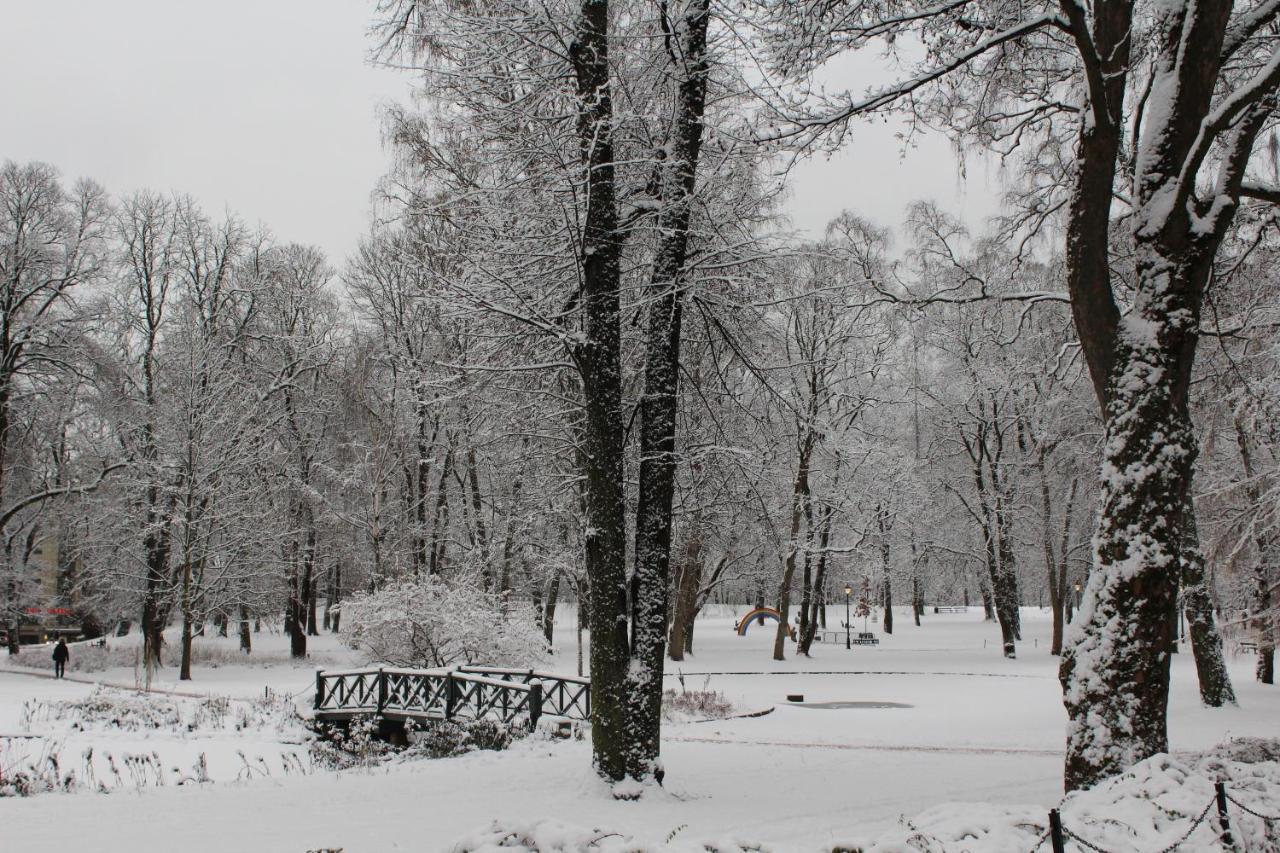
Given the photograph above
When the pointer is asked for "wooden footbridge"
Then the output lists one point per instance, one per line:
(463, 693)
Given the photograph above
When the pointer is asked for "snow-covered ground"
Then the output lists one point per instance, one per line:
(975, 727)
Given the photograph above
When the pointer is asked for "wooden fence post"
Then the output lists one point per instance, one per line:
(1056, 836)
(382, 690)
(1221, 789)
(535, 704)
(319, 688)
(449, 696)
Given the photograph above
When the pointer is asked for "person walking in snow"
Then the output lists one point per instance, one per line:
(61, 654)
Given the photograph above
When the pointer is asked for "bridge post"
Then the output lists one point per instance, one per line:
(382, 690)
(535, 703)
(450, 695)
(319, 688)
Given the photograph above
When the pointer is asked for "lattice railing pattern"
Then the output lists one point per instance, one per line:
(466, 693)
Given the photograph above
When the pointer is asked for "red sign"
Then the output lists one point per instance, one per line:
(49, 611)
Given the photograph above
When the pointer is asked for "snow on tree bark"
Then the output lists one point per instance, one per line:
(600, 365)
(651, 579)
(1115, 670)
(1206, 642)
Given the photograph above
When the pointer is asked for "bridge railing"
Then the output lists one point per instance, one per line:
(470, 692)
(566, 696)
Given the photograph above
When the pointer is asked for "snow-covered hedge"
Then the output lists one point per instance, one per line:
(432, 622)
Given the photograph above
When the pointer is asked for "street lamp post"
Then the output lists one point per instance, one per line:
(848, 591)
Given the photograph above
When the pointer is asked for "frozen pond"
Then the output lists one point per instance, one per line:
(853, 705)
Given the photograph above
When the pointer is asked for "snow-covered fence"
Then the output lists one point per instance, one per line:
(1058, 833)
(446, 694)
(567, 696)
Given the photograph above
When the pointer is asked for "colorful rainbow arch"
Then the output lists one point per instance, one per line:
(761, 613)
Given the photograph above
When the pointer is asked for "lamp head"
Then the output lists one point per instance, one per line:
(848, 590)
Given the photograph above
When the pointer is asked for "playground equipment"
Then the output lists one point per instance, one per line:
(761, 613)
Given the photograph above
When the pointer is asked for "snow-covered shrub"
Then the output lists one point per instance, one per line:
(446, 738)
(357, 745)
(32, 766)
(432, 622)
(686, 705)
(354, 745)
(25, 773)
(678, 705)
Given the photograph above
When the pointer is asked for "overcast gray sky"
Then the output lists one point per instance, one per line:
(269, 108)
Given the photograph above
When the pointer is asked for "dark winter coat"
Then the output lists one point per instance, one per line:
(61, 653)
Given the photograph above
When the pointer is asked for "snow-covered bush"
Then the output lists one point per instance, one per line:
(358, 745)
(432, 622)
(685, 705)
(457, 737)
(354, 745)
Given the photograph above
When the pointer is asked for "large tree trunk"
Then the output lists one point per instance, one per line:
(1268, 550)
(184, 671)
(419, 478)
(549, 608)
(687, 588)
(1008, 598)
(1055, 567)
(440, 519)
(600, 365)
(651, 580)
(477, 510)
(300, 561)
(1115, 669)
(246, 638)
(998, 596)
(1206, 642)
(917, 588)
(1115, 673)
(313, 596)
(156, 547)
(886, 566)
(1264, 607)
(806, 580)
(819, 585)
(335, 602)
(799, 498)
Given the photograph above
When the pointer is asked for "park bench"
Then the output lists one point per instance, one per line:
(950, 610)
(1247, 646)
(865, 638)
